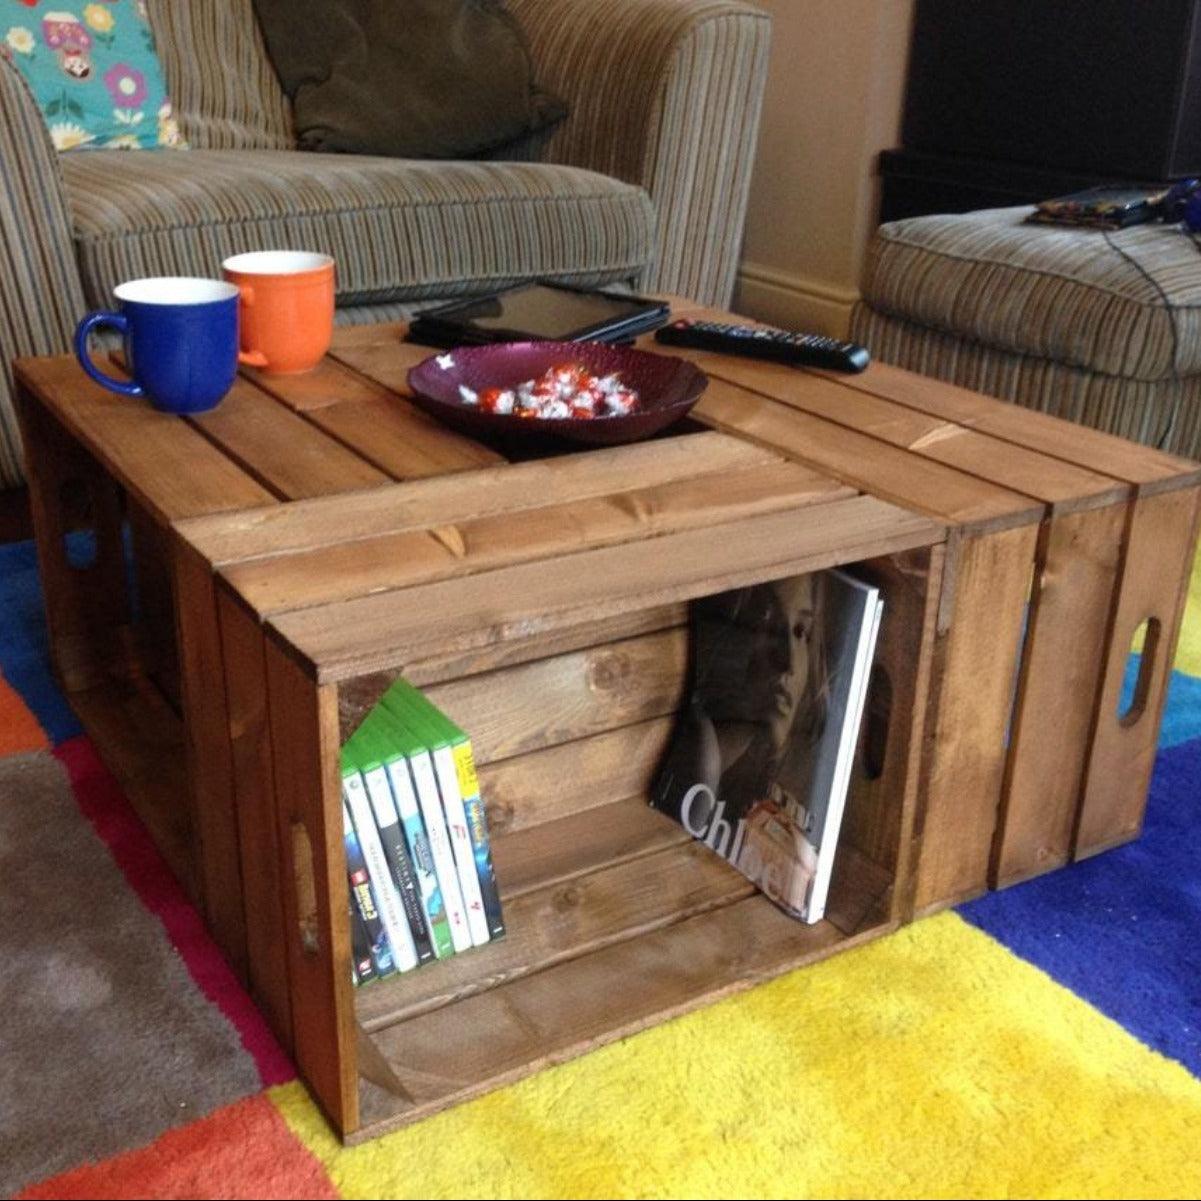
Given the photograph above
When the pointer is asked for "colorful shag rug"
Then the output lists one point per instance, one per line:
(1041, 1042)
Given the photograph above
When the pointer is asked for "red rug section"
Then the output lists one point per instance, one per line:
(104, 805)
(243, 1150)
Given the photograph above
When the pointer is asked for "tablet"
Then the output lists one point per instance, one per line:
(539, 313)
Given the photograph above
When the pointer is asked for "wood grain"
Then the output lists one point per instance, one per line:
(210, 767)
(567, 697)
(328, 383)
(453, 549)
(258, 850)
(491, 491)
(884, 470)
(509, 1032)
(1160, 542)
(316, 898)
(285, 453)
(1152, 470)
(389, 629)
(399, 439)
(976, 659)
(1066, 634)
(170, 468)
(557, 922)
(527, 790)
(1062, 485)
(577, 844)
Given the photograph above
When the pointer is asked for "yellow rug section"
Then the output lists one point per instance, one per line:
(1188, 654)
(932, 1063)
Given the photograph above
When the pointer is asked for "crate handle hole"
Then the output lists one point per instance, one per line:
(306, 889)
(877, 722)
(1132, 706)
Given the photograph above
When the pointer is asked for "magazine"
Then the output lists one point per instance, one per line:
(760, 763)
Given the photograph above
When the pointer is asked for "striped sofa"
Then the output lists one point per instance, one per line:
(644, 183)
(1100, 327)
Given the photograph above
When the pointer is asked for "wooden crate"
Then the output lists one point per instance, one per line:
(1063, 542)
(542, 606)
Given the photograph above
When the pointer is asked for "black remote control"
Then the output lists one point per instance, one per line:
(757, 342)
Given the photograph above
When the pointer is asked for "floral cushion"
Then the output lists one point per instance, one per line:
(93, 71)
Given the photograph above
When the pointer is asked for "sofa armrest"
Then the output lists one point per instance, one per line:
(42, 297)
(665, 94)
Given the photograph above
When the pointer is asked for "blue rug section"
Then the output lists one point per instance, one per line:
(1182, 715)
(24, 649)
(1123, 930)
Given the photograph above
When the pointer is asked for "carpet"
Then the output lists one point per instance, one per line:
(1043, 1042)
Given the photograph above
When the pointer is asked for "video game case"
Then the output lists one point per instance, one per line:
(473, 804)
(362, 969)
(439, 749)
(391, 911)
(371, 755)
(363, 901)
(432, 908)
(425, 785)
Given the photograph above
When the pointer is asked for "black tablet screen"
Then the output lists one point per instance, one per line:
(552, 313)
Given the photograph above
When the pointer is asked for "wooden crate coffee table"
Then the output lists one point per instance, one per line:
(271, 629)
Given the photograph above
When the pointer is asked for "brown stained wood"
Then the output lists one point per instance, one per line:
(210, 769)
(1152, 470)
(392, 628)
(140, 740)
(1066, 635)
(571, 696)
(386, 362)
(886, 471)
(308, 525)
(356, 696)
(527, 790)
(328, 383)
(883, 791)
(248, 751)
(281, 450)
(1158, 558)
(455, 549)
(304, 744)
(399, 439)
(579, 843)
(167, 466)
(976, 658)
(346, 336)
(86, 603)
(512, 1031)
(862, 892)
(522, 650)
(564, 921)
(154, 630)
(1062, 485)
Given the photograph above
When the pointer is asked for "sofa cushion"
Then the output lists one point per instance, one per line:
(399, 229)
(1125, 303)
(221, 81)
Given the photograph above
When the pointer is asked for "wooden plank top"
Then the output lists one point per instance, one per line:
(169, 466)
(389, 629)
(307, 526)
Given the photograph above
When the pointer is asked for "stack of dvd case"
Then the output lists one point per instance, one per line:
(418, 857)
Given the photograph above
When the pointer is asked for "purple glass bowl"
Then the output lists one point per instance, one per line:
(667, 388)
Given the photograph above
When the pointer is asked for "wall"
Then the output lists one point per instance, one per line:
(834, 96)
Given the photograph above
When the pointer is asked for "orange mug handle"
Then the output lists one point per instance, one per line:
(251, 358)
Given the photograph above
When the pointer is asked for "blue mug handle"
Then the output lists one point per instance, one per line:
(85, 327)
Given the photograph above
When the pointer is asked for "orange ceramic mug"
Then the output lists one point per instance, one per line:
(286, 309)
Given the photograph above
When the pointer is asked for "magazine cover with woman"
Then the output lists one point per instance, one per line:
(760, 763)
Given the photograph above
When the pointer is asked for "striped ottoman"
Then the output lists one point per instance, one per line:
(1101, 327)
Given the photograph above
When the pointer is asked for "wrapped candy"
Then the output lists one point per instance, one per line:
(564, 391)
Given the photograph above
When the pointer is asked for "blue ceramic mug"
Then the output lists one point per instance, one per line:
(181, 342)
